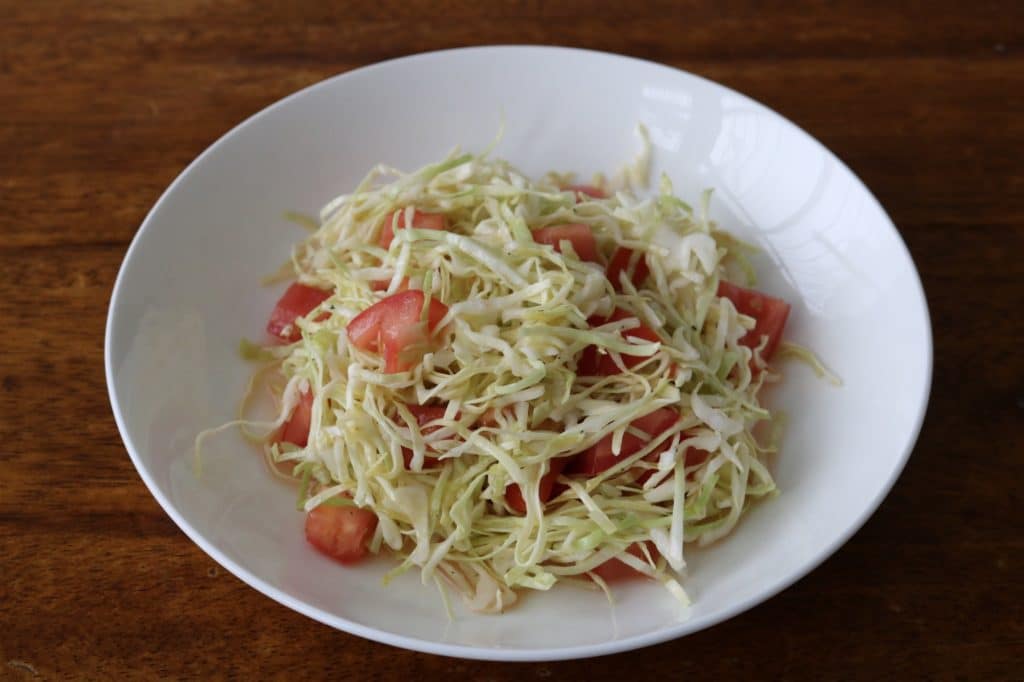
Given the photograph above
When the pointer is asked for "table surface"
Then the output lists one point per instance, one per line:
(102, 104)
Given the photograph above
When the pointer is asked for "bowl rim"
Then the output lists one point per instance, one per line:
(495, 653)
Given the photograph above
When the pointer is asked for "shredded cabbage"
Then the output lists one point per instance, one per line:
(516, 325)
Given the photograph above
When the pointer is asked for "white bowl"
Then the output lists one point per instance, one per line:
(189, 289)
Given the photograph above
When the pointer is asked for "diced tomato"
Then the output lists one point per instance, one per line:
(428, 461)
(488, 418)
(620, 263)
(695, 457)
(587, 190)
(588, 363)
(599, 457)
(614, 570)
(393, 328)
(296, 302)
(420, 221)
(424, 414)
(692, 457)
(296, 429)
(579, 234)
(642, 331)
(514, 494)
(592, 363)
(383, 284)
(771, 314)
(340, 532)
(655, 422)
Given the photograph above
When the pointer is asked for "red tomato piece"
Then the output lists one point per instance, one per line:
(614, 570)
(488, 419)
(587, 190)
(424, 415)
(393, 328)
(514, 494)
(600, 457)
(420, 221)
(383, 284)
(296, 302)
(655, 422)
(592, 363)
(695, 457)
(340, 532)
(620, 263)
(588, 363)
(579, 234)
(428, 461)
(296, 429)
(771, 314)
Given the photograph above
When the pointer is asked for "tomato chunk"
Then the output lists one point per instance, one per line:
(420, 221)
(428, 461)
(340, 532)
(695, 457)
(489, 418)
(578, 234)
(383, 284)
(296, 429)
(770, 312)
(593, 363)
(614, 570)
(586, 190)
(424, 415)
(620, 263)
(600, 457)
(296, 302)
(393, 328)
(514, 494)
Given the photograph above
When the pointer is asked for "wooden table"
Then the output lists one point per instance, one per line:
(102, 104)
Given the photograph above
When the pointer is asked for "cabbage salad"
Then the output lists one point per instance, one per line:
(505, 383)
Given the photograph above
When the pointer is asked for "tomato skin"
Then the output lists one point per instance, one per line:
(614, 570)
(579, 234)
(587, 365)
(383, 284)
(692, 457)
(392, 327)
(296, 429)
(592, 363)
(340, 532)
(695, 457)
(489, 418)
(424, 414)
(620, 263)
(599, 457)
(771, 314)
(296, 302)
(420, 221)
(586, 190)
(428, 462)
(514, 494)
(655, 422)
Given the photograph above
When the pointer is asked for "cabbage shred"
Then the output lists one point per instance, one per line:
(516, 326)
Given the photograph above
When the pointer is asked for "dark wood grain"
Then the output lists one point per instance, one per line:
(102, 104)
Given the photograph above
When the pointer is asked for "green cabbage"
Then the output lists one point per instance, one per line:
(517, 322)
